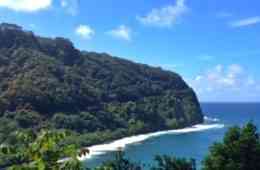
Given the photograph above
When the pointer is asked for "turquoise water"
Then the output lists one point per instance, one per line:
(190, 145)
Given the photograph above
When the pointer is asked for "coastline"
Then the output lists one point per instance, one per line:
(122, 143)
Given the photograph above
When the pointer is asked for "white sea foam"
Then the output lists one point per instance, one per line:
(122, 143)
(209, 119)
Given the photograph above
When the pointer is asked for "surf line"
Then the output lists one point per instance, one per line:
(122, 143)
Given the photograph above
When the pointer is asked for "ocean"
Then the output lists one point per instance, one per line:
(188, 143)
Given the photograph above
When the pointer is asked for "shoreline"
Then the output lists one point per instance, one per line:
(100, 149)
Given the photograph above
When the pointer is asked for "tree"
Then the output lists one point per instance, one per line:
(240, 150)
(163, 163)
(39, 152)
(171, 163)
(120, 163)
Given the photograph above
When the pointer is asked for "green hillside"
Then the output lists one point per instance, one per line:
(48, 83)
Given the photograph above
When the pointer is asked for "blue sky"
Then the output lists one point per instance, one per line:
(213, 44)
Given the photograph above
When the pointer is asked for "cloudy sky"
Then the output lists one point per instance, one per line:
(213, 44)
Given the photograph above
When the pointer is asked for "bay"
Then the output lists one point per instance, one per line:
(194, 144)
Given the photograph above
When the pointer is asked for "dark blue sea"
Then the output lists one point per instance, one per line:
(194, 144)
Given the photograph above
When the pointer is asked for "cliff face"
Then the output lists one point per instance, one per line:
(47, 82)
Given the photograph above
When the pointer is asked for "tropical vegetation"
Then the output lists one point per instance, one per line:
(48, 83)
(240, 150)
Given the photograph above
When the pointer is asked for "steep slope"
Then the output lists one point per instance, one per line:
(48, 83)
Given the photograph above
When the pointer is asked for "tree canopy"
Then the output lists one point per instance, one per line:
(240, 150)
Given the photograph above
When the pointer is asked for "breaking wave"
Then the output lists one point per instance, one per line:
(210, 120)
(122, 143)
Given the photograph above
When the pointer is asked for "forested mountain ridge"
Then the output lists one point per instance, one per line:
(48, 83)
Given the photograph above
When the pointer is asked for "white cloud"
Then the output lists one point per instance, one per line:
(26, 5)
(85, 31)
(220, 77)
(166, 16)
(64, 3)
(245, 22)
(122, 32)
(225, 83)
(251, 81)
(234, 70)
(70, 6)
(32, 26)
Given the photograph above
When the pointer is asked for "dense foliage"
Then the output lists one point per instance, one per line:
(240, 150)
(163, 162)
(119, 163)
(39, 152)
(48, 83)
(171, 163)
